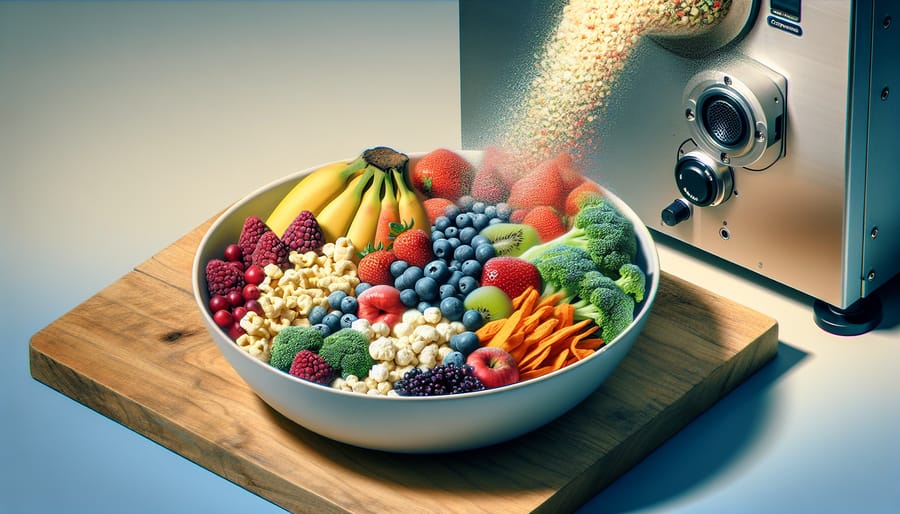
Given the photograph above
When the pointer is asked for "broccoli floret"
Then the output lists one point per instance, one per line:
(562, 268)
(632, 280)
(603, 301)
(347, 351)
(290, 341)
(602, 231)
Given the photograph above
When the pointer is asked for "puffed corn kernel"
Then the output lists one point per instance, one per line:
(432, 315)
(381, 328)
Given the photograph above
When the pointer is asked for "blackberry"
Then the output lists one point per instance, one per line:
(439, 380)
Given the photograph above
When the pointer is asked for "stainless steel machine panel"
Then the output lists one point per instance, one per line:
(808, 198)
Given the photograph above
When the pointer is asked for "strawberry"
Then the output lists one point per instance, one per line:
(518, 215)
(488, 186)
(568, 172)
(443, 173)
(375, 267)
(547, 221)
(414, 246)
(511, 274)
(543, 186)
(502, 163)
(270, 250)
(587, 189)
(435, 207)
(252, 230)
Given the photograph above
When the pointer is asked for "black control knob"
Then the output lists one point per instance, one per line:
(702, 180)
(676, 212)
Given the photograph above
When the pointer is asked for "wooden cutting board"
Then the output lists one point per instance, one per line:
(138, 353)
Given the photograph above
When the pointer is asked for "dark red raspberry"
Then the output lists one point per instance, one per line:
(270, 250)
(309, 365)
(223, 277)
(304, 234)
(252, 231)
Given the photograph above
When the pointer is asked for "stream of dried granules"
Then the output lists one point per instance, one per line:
(579, 65)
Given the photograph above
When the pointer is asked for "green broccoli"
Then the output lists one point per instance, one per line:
(347, 351)
(603, 231)
(562, 267)
(603, 301)
(632, 280)
(290, 341)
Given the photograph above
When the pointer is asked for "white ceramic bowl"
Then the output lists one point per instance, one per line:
(415, 424)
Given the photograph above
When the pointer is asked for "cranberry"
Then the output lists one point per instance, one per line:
(239, 313)
(250, 292)
(235, 330)
(218, 302)
(235, 298)
(234, 253)
(253, 305)
(223, 318)
(254, 274)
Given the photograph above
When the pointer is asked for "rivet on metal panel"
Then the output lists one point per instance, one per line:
(874, 233)
(871, 275)
(885, 93)
(887, 22)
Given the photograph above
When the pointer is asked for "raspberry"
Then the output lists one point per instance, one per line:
(251, 233)
(224, 277)
(270, 250)
(304, 234)
(309, 365)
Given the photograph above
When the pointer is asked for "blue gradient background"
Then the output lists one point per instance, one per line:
(123, 125)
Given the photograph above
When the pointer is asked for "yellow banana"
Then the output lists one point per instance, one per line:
(335, 218)
(362, 229)
(313, 192)
(412, 212)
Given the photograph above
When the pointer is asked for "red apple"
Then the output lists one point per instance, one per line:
(381, 303)
(495, 367)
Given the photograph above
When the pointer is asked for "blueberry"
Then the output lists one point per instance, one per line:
(455, 275)
(465, 202)
(349, 305)
(451, 233)
(398, 267)
(452, 308)
(454, 358)
(465, 342)
(408, 297)
(423, 305)
(479, 240)
(450, 212)
(332, 321)
(441, 223)
(479, 221)
(503, 211)
(490, 211)
(335, 299)
(484, 252)
(413, 273)
(466, 234)
(471, 268)
(347, 319)
(316, 314)
(427, 288)
(454, 242)
(463, 252)
(463, 220)
(436, 235)
(478, 207)
(362, 286)
(446, 291)
(467, 284)
(472, 319)
(442, 248)
(438, 270)
(323, 328)
(494, 221)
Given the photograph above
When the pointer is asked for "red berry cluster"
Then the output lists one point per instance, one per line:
(228, 309)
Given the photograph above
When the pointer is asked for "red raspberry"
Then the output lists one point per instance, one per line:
(270, 250)
(304, 234)
(311, 366)
(252, 231)
(224, 277)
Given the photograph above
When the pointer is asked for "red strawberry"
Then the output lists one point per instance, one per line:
(543, 186)
(375, 267)
(414, 246)
(252, 230)
(511, 274)
(223, 277)
(270, 250)
(488, 186)
(435, 207)
(518, 215)
(568, 172)
(587, 189)
(304, 234)
(547, 221)
(503, 163)
(443, 173)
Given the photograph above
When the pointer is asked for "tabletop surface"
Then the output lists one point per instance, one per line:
(125, 125)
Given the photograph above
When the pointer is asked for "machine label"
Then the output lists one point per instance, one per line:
(784, 25)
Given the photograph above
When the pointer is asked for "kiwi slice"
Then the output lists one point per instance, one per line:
(511, 239)
(490, 301)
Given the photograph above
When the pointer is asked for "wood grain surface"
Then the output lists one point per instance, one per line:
(138, 352)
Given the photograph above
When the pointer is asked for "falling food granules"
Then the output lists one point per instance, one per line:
(580, 62)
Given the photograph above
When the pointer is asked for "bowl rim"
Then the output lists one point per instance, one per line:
(652, 270)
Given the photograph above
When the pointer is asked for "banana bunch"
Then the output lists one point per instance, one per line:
(360, 199)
